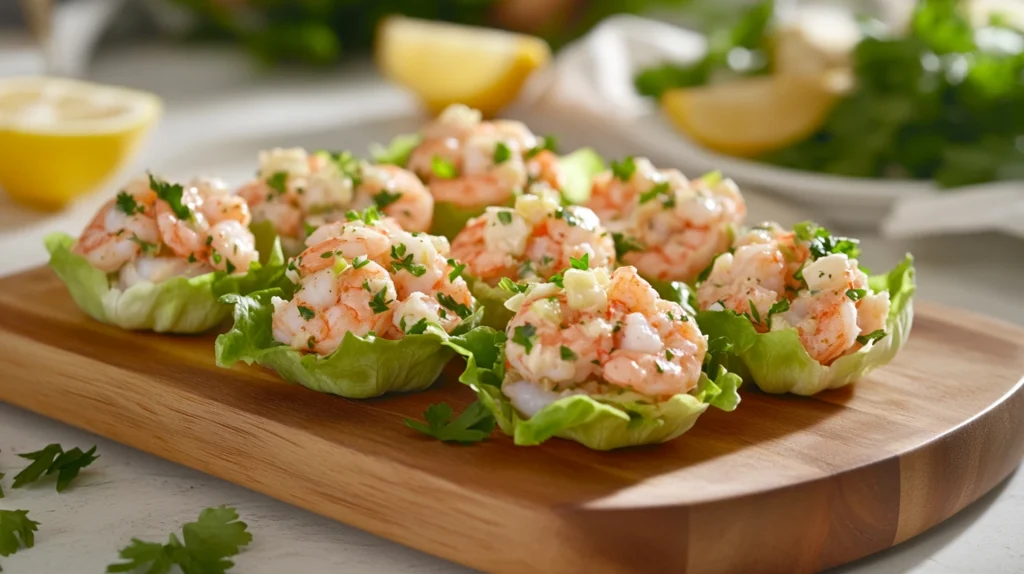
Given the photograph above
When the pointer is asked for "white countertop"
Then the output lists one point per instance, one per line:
(220, 111)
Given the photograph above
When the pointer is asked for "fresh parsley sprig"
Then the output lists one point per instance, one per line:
(17, 531)
(473, 425)
(171, 193)
(54, 459)
(208, 544)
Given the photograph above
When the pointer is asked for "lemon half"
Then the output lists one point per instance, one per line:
(752, 116)
(60, 139)
(446, 63)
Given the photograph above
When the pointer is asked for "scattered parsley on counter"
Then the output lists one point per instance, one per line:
(54, 459)
(208, 543)
(473, 425)
(16, 531)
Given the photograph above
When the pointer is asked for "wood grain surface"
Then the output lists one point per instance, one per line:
(783, 484)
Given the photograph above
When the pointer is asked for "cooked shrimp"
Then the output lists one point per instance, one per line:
(349, 239)
(219, 204)
(232, 246)
(538, 238)
(826, 322)
(327, 306)
(158, 269)
(544, 167)
(614, 198)
(443, 139)
(602, 330)
(419, 309)
(113, 237)
(399, 194)
(185, 237)
(754, 274)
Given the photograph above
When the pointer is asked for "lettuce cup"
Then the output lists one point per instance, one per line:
(295, 191)
(159, 255)
(531, 241)
(801, 314)
(596, 358)
(371, 310)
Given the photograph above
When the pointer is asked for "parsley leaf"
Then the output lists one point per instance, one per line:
(449, 302)
(821, 242)
(378, 303)
(856, 294)
(567, 354)
(473, 425)
(582, 263)
(209, 542)
(754, 314)
(171, 193)
(872, 336)
(53, 459)
(278, 182)
(369, 216)
(360, 262)
(457, 269)
(17, 530)
(505, 217)
(417, 328)
(780, 306)
(524, 335)
(511, 286)
(306, 313)
(623, 170)
(624, 244)
(501, 153)
(443, 168)
(402, 260)
(654, 192)
(127, 205)
(548, 142)
(384, 199)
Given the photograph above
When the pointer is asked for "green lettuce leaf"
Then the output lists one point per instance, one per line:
(778, 363)
(179, 305)
(449, 218)
(579, 168)
(398, 151)
(677, 292)
(361, 367)
(492, 300)
(597, 422)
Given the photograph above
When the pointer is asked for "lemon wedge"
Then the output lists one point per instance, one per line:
(446, 63)
(752, 116)
(60, 139)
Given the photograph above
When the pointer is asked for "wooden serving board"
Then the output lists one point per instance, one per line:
(783, 484)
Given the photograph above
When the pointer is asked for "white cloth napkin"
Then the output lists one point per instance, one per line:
(593, 78)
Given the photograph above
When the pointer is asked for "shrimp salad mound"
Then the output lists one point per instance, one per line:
(598, 358)
(295, 190)
(531, 241)
(370, 309)
(801, 313)
(157, 256)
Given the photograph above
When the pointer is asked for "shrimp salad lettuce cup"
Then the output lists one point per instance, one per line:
(158, 256)
(531, 241)
(372, 310)
(469, 164)
(596, 358)
(668, 227)
(801, 314)
(295, 191)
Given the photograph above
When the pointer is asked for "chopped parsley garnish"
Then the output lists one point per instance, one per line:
(326, 255)
(311, 342)
(209, 240)
(624, 244)
(215, 257)
(511, 286)
(567, 354)
(526, 268)
(623, 170)
(229, 266)
(703, 275)
(54, 459)
(309, 229)
(524, 335)
(209, 543)
(369, 216)
(505, 217)
(501, 153)
(872, 336)
(171, 193)
(384, 199)
(457, 269)
(146, 246)
(278, 182)
(753, 311)
(668, 355)
(443, 168)
(127, 204)
(570, 218)
(306, 313)
(360, 262)
(473, 425)
(191, 257)
(557, 280)
(582, 263)
(16, 531)
(549, 143)
(780, 306)
(403, 260)
(448, 302)
(821, 242)
(657, 365)
(417, 328)
(378, 304)
(856, 294)
(655, 191)
(347, 164)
